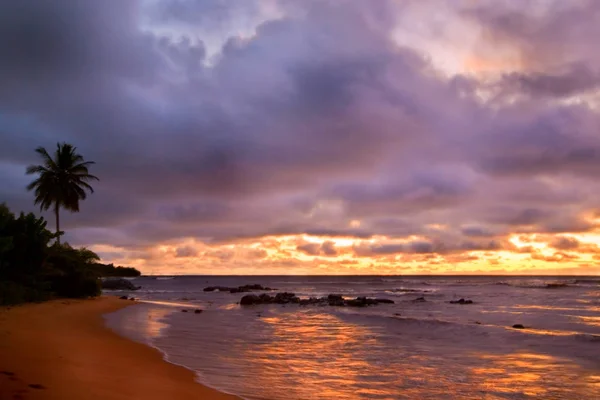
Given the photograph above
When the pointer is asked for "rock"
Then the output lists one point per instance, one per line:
(197, 311)
(358, 302)
(313, 301)
(284, 298)
(461, 301)
(419, 300)
(290, 298)
(279, 298)
(477, 322)
(184, 310)
(556, 285)
(131, 299)
(239, 289)
(123, 298)
(384, 301)
(250, 299)
(518, 326)
(119, 284)
(335, 300)
(397, 314)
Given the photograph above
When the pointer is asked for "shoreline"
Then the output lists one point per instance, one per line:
(62, 349)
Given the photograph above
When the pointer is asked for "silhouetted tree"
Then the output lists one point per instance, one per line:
(62, 180)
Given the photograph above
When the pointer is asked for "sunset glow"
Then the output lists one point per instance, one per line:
(319, 136)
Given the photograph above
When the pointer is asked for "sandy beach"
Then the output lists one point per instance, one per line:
(62, 350)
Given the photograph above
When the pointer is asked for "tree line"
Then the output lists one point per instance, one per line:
(34, 264)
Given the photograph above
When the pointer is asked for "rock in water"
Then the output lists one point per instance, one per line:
(461, 301)
(123, 298)
(335, 300)
(332, 300)
(239, 289)
(197, 311)
(384, 301)
(284, 298)
(250, 299)
(518, 326)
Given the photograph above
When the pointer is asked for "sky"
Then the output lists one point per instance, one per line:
(314, 136)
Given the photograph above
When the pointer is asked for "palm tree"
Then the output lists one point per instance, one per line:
(62, 181)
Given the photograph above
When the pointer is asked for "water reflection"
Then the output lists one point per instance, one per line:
(594, 321)
(310, 355)
(530, 374)
(315, 354)
(141, 322)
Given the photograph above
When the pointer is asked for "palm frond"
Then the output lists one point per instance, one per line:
(48, 161)
(62, 179)
(36, 169)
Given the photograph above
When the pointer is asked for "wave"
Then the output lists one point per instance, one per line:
(586, 337)
(404, 290)
(587, 281)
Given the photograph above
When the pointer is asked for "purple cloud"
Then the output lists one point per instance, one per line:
(313, 121)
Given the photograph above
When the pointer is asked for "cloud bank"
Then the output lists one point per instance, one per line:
(315, 137)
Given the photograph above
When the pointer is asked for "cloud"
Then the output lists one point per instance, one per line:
(565, 243)
(327, 248)
(220, 123)
(186, 251)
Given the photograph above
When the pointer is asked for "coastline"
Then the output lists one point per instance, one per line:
(62, 349)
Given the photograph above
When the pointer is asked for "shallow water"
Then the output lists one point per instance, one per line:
(407, 350)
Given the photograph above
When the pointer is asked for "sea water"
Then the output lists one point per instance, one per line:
(408, 350)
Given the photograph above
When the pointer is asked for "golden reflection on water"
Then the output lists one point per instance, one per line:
(594, 321)
(323, 357)
(148, 322)
(532, 375)
(307, 345)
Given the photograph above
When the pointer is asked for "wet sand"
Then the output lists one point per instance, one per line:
(62, 350)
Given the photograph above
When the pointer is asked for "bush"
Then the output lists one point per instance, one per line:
(76, 284)
(33, 270)
(13, 293)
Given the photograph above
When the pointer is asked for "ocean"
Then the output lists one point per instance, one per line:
(429, 349)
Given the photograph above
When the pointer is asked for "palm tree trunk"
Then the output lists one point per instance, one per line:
(56, 207)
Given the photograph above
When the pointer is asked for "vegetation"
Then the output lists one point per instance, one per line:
(62, 180)
(34, 266)
(34, 269)
(109, 270)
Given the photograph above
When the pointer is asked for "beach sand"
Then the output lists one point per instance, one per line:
(62, 350)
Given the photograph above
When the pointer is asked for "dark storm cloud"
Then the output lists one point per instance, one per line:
(316, 119)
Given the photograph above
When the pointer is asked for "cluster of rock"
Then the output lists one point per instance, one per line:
(556, 285)
(119, 284)
(331, 300)
(196, 311)
(461, 301)
(239, 289)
